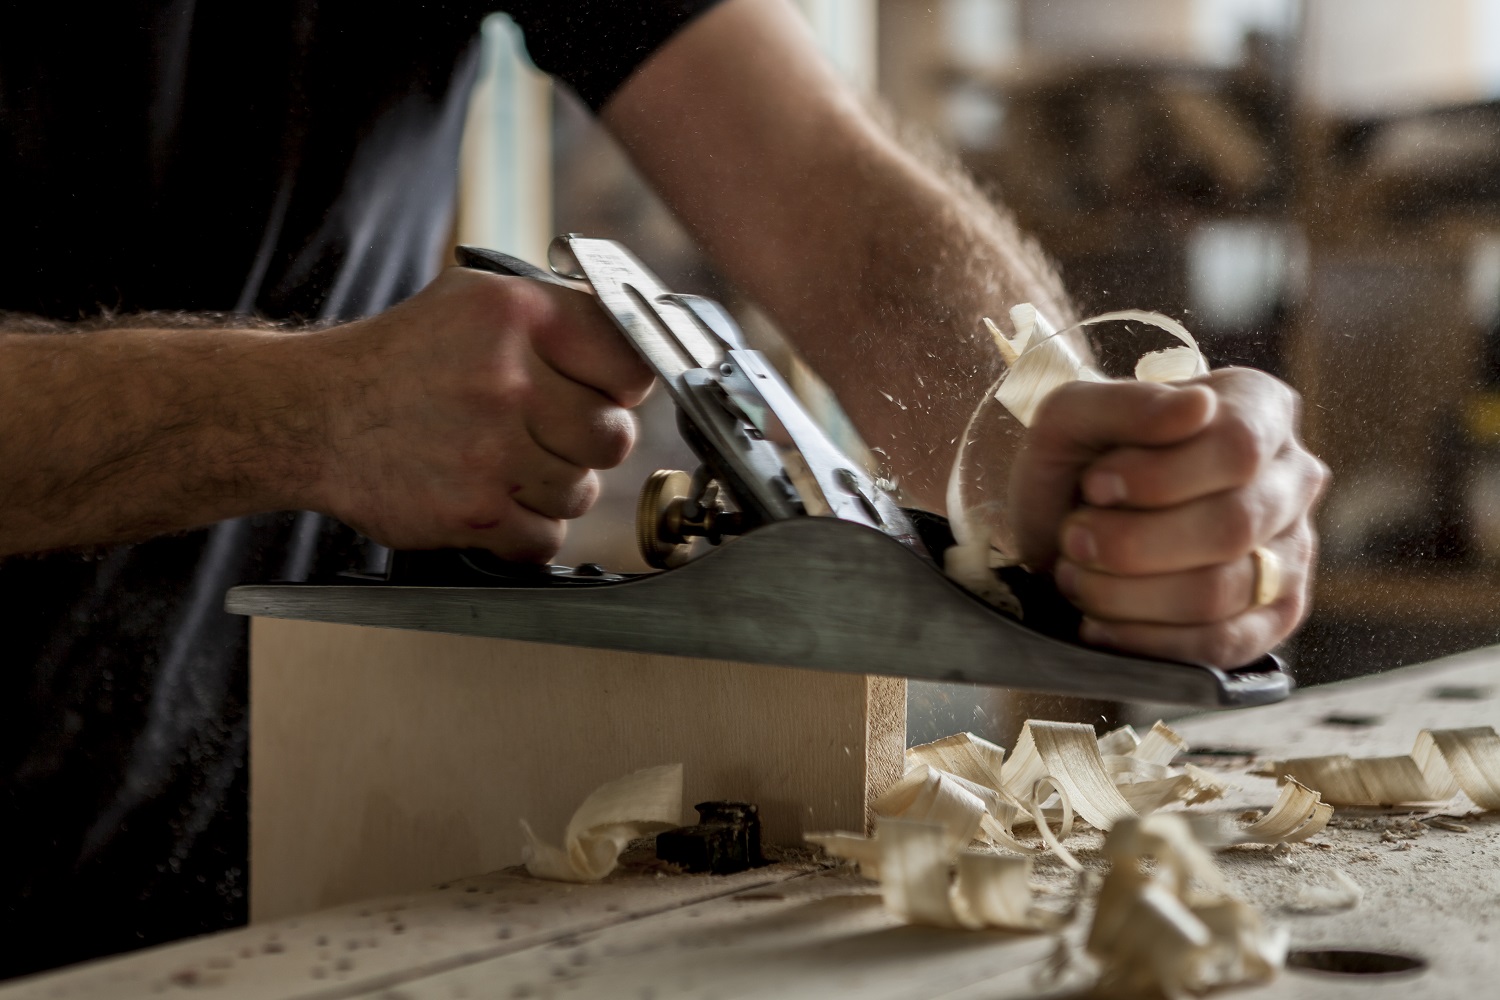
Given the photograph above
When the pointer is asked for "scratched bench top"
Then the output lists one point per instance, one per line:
(800, 928)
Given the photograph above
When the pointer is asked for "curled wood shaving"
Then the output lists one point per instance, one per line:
(644, 802)
(964, 755)
(1299, 813)
(926, 794)
(1192, 787)
(956, 782)
(1000, 833)
(968, 787)
(1144, 778)
(1173, 929)
(1119, 742)
(1067, 754)
(1160, 746)
(1038, 359)
(924, 879)
(1167, 928)
(1443, 762)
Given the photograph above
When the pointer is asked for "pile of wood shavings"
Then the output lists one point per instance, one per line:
(967, 787)
(948, 851)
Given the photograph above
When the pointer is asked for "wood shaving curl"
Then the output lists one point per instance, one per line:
(1442, 763)
(644, 802)
(1173, 929)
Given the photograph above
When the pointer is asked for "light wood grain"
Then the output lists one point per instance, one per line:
(795, 930)
(374, 945)
(386, 761)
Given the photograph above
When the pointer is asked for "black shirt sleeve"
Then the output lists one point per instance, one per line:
(594, 45)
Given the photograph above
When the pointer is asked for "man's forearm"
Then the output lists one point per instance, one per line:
(471, 415)
(877, 263)
(881, 267)
(120, 434)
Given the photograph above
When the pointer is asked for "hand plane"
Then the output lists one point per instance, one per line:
(819, 566)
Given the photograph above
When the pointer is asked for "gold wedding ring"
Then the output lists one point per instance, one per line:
(1265, 579)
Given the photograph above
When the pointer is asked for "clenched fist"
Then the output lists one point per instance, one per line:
(1147, 502)
(474, 414)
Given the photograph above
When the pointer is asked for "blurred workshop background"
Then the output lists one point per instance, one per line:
(1313, 187)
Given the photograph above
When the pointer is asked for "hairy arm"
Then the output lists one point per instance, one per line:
(470, 415)
(878, 263)
(1153, 505)
(111, 434)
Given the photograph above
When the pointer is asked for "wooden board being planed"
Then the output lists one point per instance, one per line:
(385, 761)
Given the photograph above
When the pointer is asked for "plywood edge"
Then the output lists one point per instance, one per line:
(885, 737)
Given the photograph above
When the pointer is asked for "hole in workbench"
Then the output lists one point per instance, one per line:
(1352, 962)
(1458, 692)
(1219, 752)
(1352, 721)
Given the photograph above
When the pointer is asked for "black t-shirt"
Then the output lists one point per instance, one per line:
(290, 158)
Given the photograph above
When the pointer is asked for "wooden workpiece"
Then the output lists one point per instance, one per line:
(797, 928)
(385, 760)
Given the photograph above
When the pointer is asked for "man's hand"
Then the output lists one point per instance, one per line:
(469, 415)
(882, 286)
(1146, 501)
(473, 414)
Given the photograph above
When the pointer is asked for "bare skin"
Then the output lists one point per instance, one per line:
(880, 267)
(472, 414)
(1177, 486)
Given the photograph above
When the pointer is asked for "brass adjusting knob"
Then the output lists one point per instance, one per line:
(668, 516)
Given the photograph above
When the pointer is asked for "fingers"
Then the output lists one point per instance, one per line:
(572, 334)
(1077, 424)
(1201, 596)
(1239, 637)
(575, 423)
(548, 486)
(1211, 530)
(1254, 420)
(1147, 500)
(1089, 417)
(1227, 645)
(474, 413)
(503, 526)
(520, 535)
(519, 515)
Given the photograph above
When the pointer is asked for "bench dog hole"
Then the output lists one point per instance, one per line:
(1352, 721)
(1461, 693)
(1352, 962)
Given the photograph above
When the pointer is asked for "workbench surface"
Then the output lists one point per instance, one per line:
(798, 928)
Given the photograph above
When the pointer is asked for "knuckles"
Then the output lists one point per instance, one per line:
(576, 499)
(614, 435)
(1241, 449)
(495, 301)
